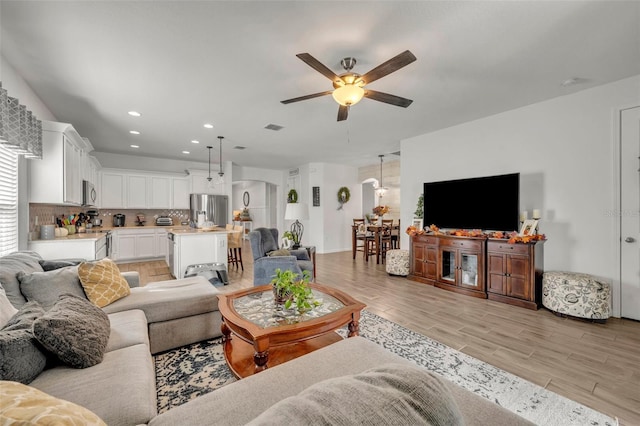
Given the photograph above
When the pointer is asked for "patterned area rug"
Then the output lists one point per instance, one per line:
(185, 373)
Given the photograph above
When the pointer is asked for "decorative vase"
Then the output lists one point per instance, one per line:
(379, 222)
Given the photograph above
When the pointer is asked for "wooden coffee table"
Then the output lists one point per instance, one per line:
(259, 334)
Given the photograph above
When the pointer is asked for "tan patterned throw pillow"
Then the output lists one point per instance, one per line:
(102, 282)
(21, 404)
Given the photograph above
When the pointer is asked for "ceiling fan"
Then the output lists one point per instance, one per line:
(349, 86)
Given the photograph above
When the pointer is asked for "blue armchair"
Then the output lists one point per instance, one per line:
(265, 241)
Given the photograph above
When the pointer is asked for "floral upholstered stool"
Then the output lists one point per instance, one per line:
(578, 295)
(398, 262)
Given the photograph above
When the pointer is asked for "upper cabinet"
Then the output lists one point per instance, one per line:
(57, 177)
(135, 190)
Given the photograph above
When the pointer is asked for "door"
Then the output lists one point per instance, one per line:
(630, 213)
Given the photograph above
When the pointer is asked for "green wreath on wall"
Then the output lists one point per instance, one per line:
(343, 196)
(292, 196)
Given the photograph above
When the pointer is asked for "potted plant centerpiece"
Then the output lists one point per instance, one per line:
(290, 289)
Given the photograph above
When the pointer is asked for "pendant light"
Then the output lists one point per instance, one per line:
(220, 172)
(380, 190)
(209, 148)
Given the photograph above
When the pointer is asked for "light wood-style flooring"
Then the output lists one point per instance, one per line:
(597, 365)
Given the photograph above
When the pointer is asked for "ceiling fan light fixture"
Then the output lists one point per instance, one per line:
(348, 95)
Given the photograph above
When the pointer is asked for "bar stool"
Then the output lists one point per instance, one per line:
(234, 245)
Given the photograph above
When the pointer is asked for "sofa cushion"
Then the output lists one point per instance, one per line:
(102, 282)
(228, 405)
(50, 265)
(390, 394)
(121, 389)
(21, 404)
(7, 310)
(128, 328)
(74, 330)
(10, 265)
(22, 357)
(168, 300)
(46, 287)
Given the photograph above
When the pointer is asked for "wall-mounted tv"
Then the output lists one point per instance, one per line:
(487, 203)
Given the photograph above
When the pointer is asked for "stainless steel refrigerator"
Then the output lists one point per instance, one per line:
(215, 208)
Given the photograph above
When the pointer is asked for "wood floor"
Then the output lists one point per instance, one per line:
(597, 365)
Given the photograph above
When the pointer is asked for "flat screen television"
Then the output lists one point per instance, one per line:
(489, 203)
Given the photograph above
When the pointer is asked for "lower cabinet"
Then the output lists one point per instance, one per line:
(136, 244)
(514, 273)
(480, 267)
(82, 246)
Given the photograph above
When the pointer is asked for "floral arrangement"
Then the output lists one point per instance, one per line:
(381, 210)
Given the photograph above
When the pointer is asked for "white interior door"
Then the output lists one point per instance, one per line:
(630, 213)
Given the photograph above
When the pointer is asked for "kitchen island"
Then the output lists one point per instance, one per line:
(194, 246)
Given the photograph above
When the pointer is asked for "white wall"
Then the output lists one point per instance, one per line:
(564, 151)
(329, 229)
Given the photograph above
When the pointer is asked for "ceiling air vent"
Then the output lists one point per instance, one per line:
(274, 127)
(239, 147)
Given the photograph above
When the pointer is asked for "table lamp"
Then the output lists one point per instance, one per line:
(297, 212)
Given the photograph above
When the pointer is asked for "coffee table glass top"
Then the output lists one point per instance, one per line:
(261, 309)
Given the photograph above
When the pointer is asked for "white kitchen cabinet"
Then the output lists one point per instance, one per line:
(137, 191)
(57, 177)
(160, 192)
(138, 243)
(162, 243)
(192, 247)
(112, 190)
(82, 246)
(180, 190)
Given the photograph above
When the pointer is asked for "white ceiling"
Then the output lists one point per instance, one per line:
(184, 63)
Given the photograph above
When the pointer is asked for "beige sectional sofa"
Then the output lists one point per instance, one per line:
(121, 389)
(159, 316)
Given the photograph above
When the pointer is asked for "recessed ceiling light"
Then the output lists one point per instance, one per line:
(134, 146)
(134, 113)
(208, 126)
(195, 141)
(134, 132)
(186, 152)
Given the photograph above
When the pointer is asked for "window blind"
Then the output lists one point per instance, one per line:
(8, 201)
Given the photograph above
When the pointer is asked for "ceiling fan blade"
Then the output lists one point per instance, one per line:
(318, 66)
(393, 64)
(343, 112)
(304, 98)
(387, 98)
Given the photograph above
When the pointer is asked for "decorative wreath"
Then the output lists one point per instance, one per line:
(344, 195)
(292, 196)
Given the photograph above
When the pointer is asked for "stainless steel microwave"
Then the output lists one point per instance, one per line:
(89, 194)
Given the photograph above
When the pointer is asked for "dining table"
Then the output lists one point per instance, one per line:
(377, 231)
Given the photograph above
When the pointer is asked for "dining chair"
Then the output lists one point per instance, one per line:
(361, 236)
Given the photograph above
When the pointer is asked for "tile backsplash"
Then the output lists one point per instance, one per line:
(45, 214)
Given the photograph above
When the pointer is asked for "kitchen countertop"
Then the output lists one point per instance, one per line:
(74, 237)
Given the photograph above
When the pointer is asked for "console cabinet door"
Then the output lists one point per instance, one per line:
(418, 258)
(518, 272)
(496, 273)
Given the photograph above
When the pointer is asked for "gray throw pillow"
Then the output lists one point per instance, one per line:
(50, 265)
(46, 287)
(21, 357)
(10, 266)
(7, 310)
(392, 394)
(75, 330)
